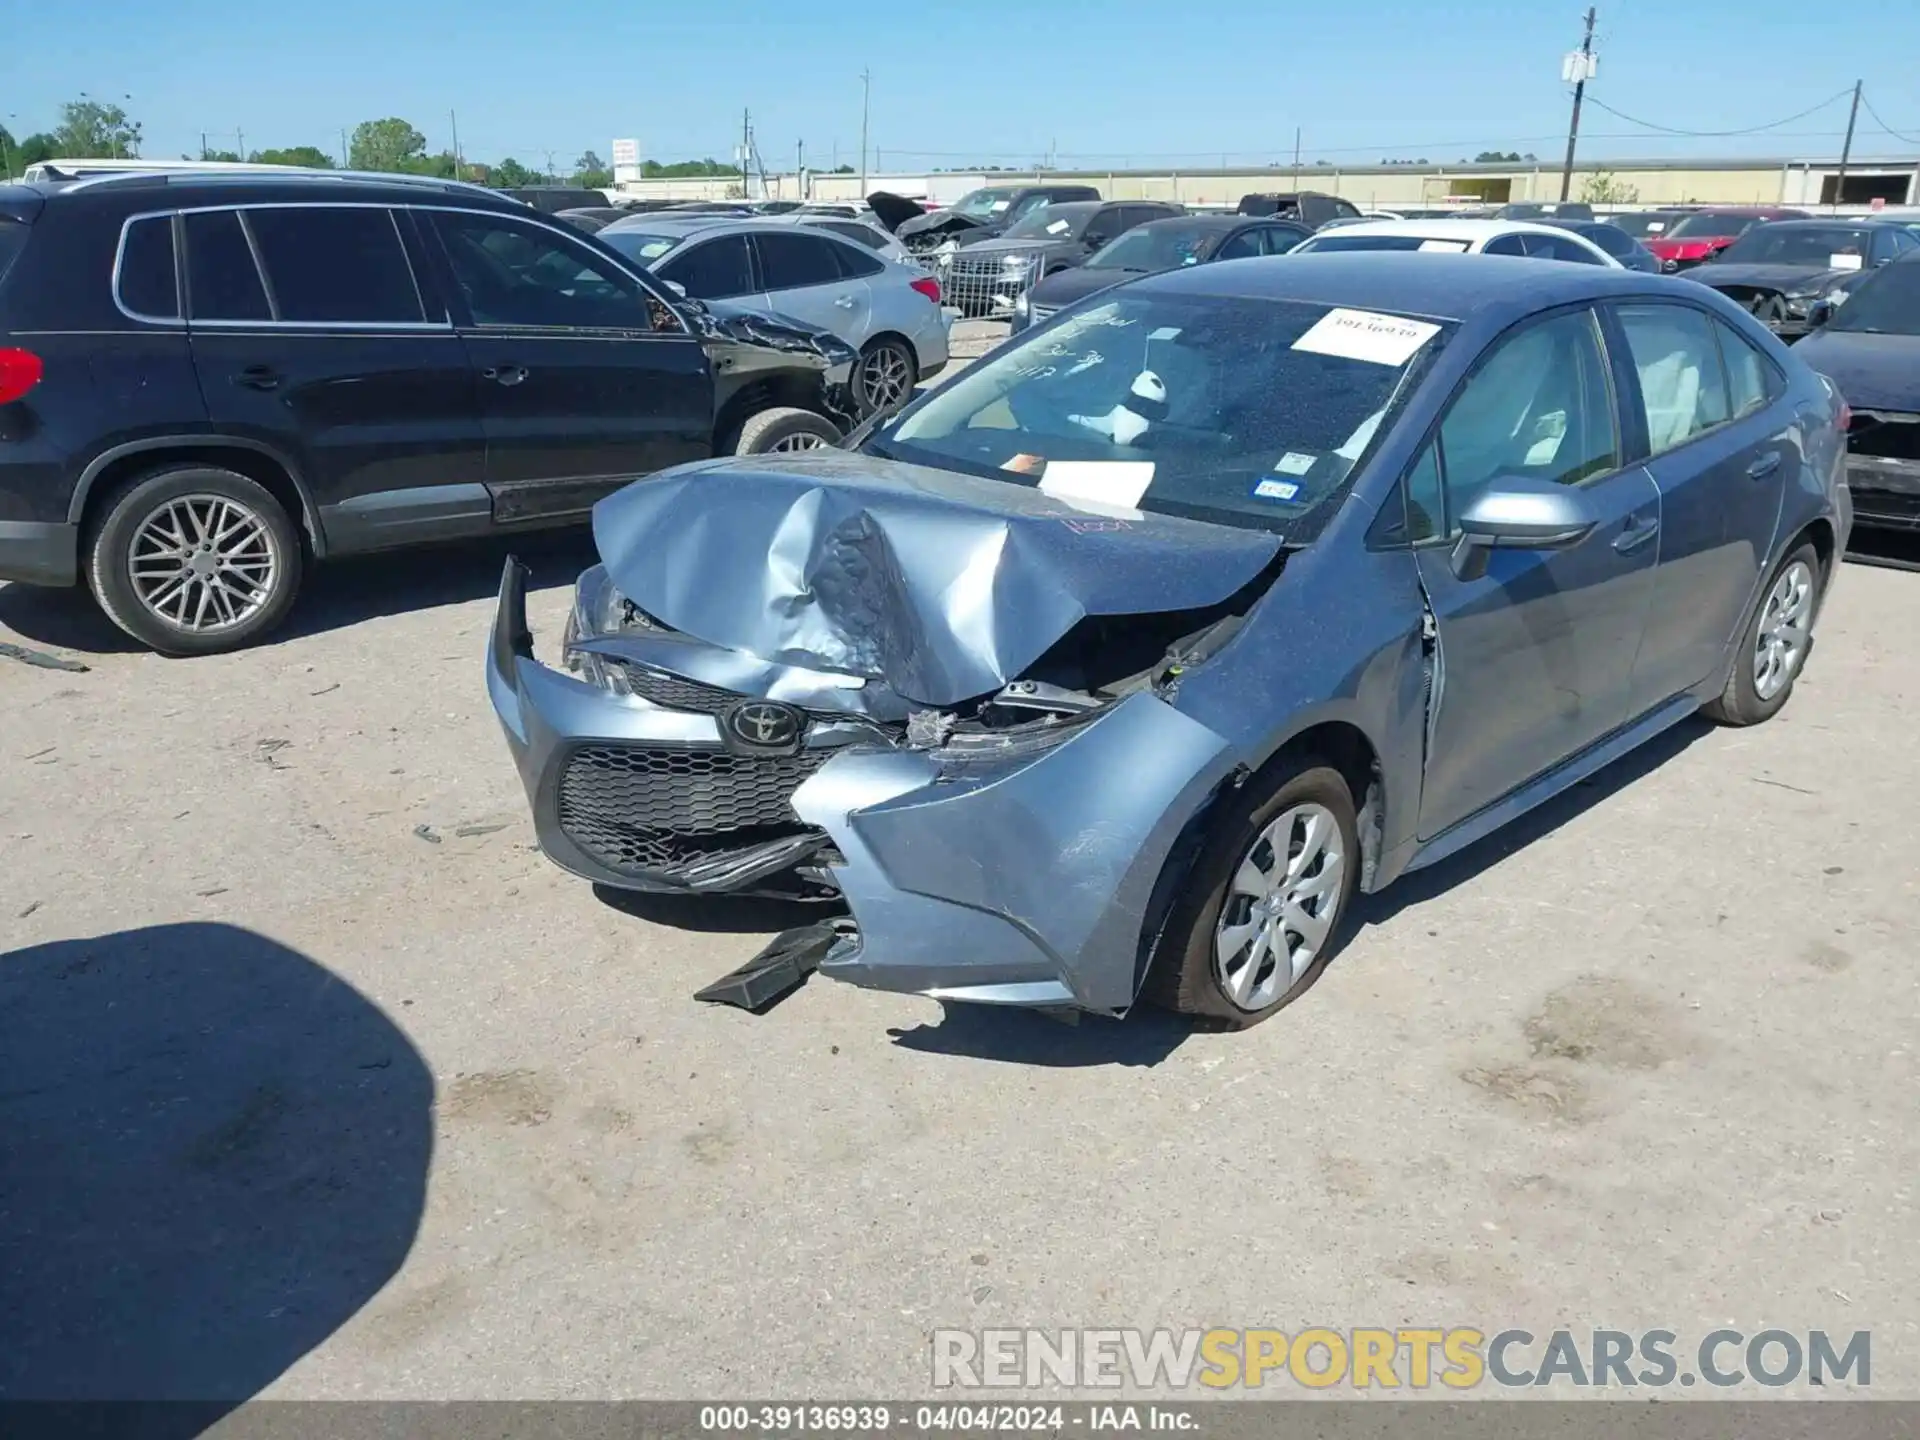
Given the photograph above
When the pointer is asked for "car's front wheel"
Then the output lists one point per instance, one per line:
(195, 560)
(785, 429)
(1774, 646)
(1268, 900)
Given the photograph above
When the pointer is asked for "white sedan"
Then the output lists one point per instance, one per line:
(1468, 237)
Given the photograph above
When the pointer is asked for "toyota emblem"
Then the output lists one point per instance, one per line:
(763, 727)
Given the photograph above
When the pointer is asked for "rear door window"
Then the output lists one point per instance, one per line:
(223, 283)
(1505, 245)
(793, 262)
(336, 264)
(712, 270)
(1751, 378)
(145, 279)
(1279, 239)
(1243, 246)
(1682, 384)
(855, 264)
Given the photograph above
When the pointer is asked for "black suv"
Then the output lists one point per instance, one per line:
(1310, 207)
(207, 382)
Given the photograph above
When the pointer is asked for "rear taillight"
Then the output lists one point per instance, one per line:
(1846, 417)
(20, 371)
(929, 287)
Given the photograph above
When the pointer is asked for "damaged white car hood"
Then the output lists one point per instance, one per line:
(941, 585)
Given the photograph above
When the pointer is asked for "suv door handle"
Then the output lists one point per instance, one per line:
(258, 377)
(1637, 532)
(505, 374)
(1765, 465)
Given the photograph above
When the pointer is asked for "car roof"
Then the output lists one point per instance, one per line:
(1829, 222)
(686, 226)
(1495, 289)
(1450, 228)
(174, 187)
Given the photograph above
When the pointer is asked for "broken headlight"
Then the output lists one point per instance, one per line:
(599, 609)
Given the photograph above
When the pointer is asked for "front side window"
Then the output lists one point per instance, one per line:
(1678, 363)
(1243, 246)
(1538, 406)
(513, 273)
(1279, 239)
(336, 264)
(1246, 412)
(712, 270)
(223, 283)
(147, 283)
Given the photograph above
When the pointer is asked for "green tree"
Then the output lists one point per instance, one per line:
(1602, 188)
(590, 170)
(34, 149)
(222, 157)
(842, 170)
(89, 130)
(1497, 157)
(391, 145)
(510, 174)
(310, 157)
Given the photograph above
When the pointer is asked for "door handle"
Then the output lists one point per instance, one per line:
(1765, 465)
(1637, 532)
(505, 374)
(846, 302)
(258, 377)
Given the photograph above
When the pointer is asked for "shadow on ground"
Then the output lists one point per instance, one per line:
(214, 1153)
(336, 595)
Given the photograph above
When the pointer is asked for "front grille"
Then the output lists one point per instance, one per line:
(658, 810)
(973, 285)
(1035, 314)
(676, 693)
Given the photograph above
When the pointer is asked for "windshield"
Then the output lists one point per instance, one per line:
(1643, 227)
(1245, 412)
(1157, 247)
(983, 204)
(638, 245)
(1324, 241)
(1887, 304)
(1048, 222)
(1698, 227)
(1830, 247)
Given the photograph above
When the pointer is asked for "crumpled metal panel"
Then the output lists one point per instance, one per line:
(1063, 848)
(746, 674)
(943, 585)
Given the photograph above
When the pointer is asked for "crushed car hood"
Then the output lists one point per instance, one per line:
(1874, 372)
(893, 210)
(940, 222)
(941, 586)
(1769, 277)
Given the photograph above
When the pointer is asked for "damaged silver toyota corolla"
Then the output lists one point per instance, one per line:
(1120, 664)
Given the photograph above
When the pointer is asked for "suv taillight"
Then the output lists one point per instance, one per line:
(1846, 417)
(20, 371)
(929, 287)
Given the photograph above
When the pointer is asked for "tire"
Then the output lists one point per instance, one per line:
(784, 428)
(1184, 975)
(902, 368)
(1754, 690)
(256, 590)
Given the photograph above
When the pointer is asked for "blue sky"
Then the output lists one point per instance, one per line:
(1117, 82)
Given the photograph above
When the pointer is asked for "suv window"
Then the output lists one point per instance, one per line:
(1681, 382)
(792, 262)
(716, 269)
(335, 264)
(1751, 379)
(1537, 406)
(513, 273)
(147, 283)
(222, 281)
(1560, 247)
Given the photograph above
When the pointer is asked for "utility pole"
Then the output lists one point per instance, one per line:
(746, 148)
(866, 97)
(346, 154)
(241, 137)
(454, 121)
(1846, 150)
(1296, 157)
(1578, 67)
(799, 169)
(203, 144)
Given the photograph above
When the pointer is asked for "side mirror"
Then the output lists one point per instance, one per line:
(676, 287)
(1819, 313)
(1516, 513)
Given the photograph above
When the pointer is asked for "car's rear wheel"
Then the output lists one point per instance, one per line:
(1266, 907)
(885, 375)
(195, 560)
(785, 429)
(1774, 645)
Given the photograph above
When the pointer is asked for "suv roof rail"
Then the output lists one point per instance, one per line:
(192, 171)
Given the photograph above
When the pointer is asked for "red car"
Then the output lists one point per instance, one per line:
(1706, 233)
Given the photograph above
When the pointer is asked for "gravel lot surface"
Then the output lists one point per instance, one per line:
(315, 1079)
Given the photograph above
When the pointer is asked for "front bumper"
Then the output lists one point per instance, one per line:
(1886, 492)
(39, 553)
(1027, 879)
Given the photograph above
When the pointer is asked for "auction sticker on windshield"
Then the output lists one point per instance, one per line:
(1445, 247)
(1119, 483)
(1843, 262)
(1367, 335)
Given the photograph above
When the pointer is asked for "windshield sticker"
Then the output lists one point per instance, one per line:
(1165, 332)
(1444, 247)
(1294, 463)
(1026, 464)
(1367, 335)
(1843, 262)
(1118, 483)
(1001, 205)
(1276, 490)
(1059, 227)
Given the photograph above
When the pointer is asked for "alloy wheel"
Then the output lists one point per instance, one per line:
(1785, 630)
(1280, 907)
(886, 375)
(798, 442)
(203, 563)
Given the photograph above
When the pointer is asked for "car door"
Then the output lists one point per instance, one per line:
(586, 377)
(1279, 239)
(801, 276)
(1722, 477)
(312, 333)
(1535, 655)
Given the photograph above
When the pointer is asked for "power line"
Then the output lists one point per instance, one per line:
(1868, 105)
(1714, 134)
